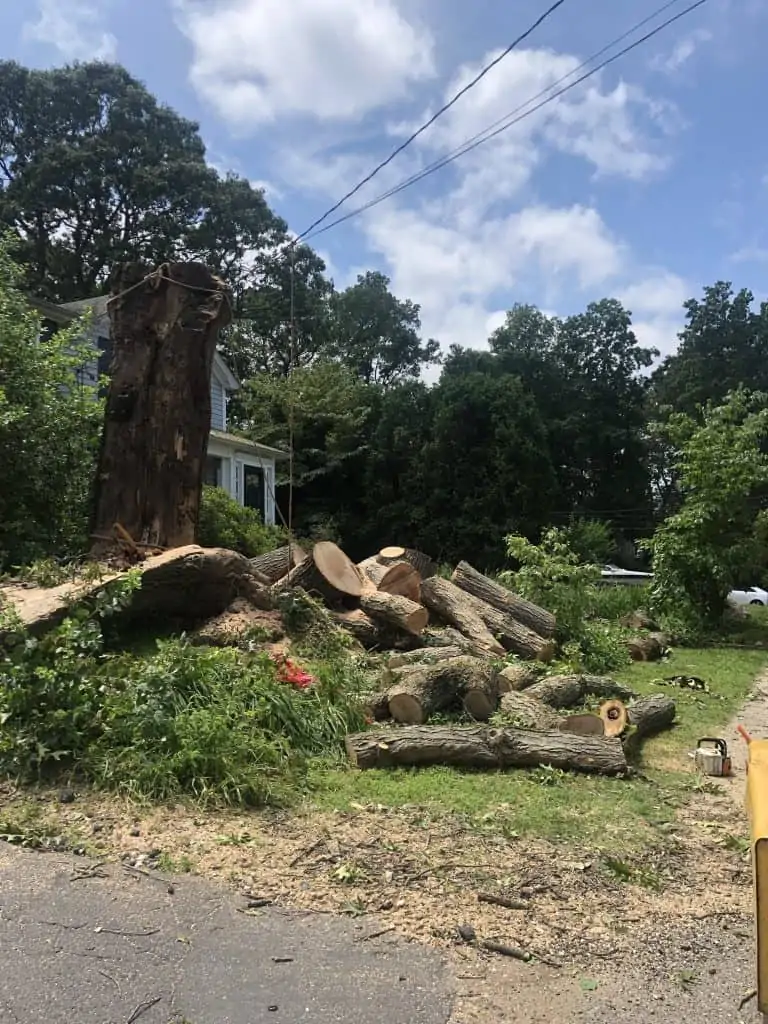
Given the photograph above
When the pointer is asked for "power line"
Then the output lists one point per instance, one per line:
(487, 134)
(431, 121)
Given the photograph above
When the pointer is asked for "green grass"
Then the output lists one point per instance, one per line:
(622, 816)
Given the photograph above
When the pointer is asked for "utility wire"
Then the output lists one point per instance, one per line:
(487, 134)
(431, 121)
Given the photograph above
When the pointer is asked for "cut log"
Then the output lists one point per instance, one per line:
(481, 695)
(515, 677)
(520, 711)
(647, 716)
(568, 691)
(513, 635)
(422, 563)
(326, 572)
(614, 716)
(458, 609)
(645, 648)
(373, 636)
(583, 725)
(482, 747)
(446, 636)
(391, 577)
(398, 612)
(423, 656)
(492, 593)
(639, 620)
(424, 690)
(276, 564)
(164, 329)
(376, 705)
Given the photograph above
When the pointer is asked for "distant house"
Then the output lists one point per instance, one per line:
(243, 468)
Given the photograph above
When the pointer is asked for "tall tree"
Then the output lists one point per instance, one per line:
(376, 334)
(723, 346)
(94, 171)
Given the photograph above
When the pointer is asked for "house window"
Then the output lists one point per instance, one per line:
(253, 488)
(212, 472)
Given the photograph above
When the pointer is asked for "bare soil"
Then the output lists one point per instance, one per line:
(668, 939)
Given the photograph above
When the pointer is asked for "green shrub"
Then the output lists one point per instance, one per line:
(551, 575)
(224, 523)
(215, 725)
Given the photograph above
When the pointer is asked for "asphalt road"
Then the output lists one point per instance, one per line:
(80, 945)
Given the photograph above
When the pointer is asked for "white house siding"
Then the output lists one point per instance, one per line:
(233, 463)
(218, 405)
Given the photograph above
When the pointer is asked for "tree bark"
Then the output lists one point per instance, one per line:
(276, 564)
(373, 636)
(377, 706)
(424, 690)
(422, 563)
(645, 648)
(158, 410)
(516, 677)
(423, 656)
(513, 635)
(492, 593)
(459, 609)
(446, 636)
(484, 748)
(391, 577)
(582, 725)
(522, 711)
(327, 572)
(568, 691)
(647, 716)
(398, 612)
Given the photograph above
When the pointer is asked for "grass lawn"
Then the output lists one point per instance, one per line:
(620, 815)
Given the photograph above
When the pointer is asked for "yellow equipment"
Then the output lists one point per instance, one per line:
(757, 804)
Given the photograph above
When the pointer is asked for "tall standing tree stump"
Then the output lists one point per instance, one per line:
(165, 326)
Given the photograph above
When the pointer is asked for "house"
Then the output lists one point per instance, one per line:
(245, 469)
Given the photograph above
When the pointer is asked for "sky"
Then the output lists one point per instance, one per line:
(645, 183)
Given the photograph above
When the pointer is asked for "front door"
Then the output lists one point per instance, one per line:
(253, 488)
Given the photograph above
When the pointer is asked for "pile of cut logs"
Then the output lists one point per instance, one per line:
(444, 641)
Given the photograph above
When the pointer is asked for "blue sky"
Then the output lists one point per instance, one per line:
(647, 182)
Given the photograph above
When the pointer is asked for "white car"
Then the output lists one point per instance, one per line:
(753, 595)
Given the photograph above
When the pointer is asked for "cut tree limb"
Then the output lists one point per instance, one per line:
(391, 577)
(568, 691)
(423, 655)
(276, 564)
(377, 706)
(373, 636)
(398, 612)
(647, 716)
(326, 571)
(521, 711)
(423, 690)
(484, 748)
(516, 677)
(512, 634)
(446, 636)
(422, 563)
(164, 329)
(645, 648)
(614, 716)
(492, 593)
(459, 609)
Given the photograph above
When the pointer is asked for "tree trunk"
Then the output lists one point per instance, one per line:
(398, 612)
(276, 564)
(424, 690)
(327, 572)
(422, 563)
(648, 715)
(391, 578)
(645, 648)
(158, 409)
(514, 636)
(516, 677)
(485, 748)
(377, 706)
(423, 656)
(582, 725)
(373, 636)
(492, 593)
(522, 711)
(568, 691)
(459, 609)
(446, 636)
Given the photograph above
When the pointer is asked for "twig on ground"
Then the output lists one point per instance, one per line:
(92, 871)
(114, 981)
(747, 998)
(142, 1008)
(502, 901)
(499, 947)
(307, 851)
(375, 935)
(127, 935)
(146, 874)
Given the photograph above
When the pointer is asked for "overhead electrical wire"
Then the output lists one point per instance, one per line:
(447, 106)
(510, 119)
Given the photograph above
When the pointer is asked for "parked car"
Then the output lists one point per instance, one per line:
(752, 595)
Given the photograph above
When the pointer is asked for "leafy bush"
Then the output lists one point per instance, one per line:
(212, 724)
(718, 537)
(590, 540)
(551, 574)
(49, 431)
(225, 523)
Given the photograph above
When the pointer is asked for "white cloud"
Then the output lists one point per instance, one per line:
(750, 254)
(682, 52)
(656, 303)
(254, 60)
(74, 28)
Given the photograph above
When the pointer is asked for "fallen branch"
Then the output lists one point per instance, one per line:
(502, 901)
